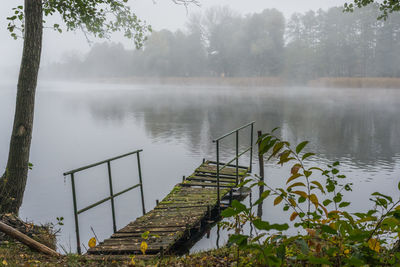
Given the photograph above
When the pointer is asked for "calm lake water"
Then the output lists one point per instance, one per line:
(81, 123)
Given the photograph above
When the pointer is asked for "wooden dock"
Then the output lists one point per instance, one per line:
(180, 218)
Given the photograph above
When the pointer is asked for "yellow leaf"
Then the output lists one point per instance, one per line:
(4, 262)
(143, 247)
(346, 251)
(311, 232)
(294, 176)
(296, 184)
(374, 245)
(333, 225)
(314, 200)
(295, 169)
(293, 202)
(325, 210)
(300, 193)
(294, 215)
(318, 185)
(277, 200)
(92, 242)
(145, 235)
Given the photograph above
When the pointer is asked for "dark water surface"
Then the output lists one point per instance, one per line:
(81, 123)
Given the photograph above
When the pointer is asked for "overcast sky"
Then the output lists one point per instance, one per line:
(159, 13)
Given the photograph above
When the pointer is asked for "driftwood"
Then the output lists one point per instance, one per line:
(27, 240)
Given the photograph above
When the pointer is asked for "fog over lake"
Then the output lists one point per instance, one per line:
(81, 123)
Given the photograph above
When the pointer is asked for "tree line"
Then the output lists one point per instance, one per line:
(220, 42)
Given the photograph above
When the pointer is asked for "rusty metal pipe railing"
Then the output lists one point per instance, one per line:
(112, 195)
(236, 158)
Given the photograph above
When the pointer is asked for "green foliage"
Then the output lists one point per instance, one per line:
(60, 221)
(98, 18)
(386, 7)
(328, 234)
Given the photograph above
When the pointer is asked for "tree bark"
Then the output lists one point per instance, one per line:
(13, 181)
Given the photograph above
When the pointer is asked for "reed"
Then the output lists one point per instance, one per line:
(356, 82)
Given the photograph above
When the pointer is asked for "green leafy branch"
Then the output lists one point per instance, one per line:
(331, 237)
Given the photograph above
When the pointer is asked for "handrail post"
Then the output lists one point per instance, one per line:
(112, 196)
(237, 157)
(78, 241)
(261, 187)
(218, 200)
(251, 146)
(141, 183)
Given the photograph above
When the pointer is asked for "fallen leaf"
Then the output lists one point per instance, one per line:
(143, 247)
(92, 242)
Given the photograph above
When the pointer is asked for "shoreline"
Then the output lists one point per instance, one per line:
(274, 82)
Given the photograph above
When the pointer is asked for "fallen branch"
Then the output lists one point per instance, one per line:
(27, 240)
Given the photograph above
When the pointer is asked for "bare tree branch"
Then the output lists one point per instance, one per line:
(187, 2)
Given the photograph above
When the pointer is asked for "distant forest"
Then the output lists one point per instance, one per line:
(220, 42)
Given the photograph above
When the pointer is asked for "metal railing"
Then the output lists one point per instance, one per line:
(236, 158)
(112, 195)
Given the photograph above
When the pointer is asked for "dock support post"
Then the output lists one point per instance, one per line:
(218, 197)
(141, 183)
(237, 157)
(78, 240)
(162, 252)
(112, 196)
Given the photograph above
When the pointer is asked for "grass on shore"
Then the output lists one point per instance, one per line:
(16, 254)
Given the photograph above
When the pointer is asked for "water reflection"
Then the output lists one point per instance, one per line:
(360, 126)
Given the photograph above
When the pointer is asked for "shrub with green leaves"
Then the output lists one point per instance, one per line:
(314, 200)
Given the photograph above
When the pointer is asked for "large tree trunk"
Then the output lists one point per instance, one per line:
(13, 181)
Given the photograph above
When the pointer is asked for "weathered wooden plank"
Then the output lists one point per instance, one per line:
(211, 162)
(185, 204)
(226, 171)
(122, 250)
(166, 240)
(139, 234)
(211, 179)
(169, 223)
(152, 228)
(214, 175)
(178, 207)
(207, 184)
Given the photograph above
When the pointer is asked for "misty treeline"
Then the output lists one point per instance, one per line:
(220, 42)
